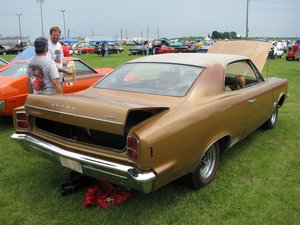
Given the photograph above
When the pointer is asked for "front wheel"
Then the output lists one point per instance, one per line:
(207, 167)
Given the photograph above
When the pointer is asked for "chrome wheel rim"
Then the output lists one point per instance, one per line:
(274, 116)
(208, 162)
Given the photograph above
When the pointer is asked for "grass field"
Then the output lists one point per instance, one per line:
(258, 181)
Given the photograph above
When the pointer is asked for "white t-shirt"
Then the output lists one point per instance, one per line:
(41, 71)
(56, 53)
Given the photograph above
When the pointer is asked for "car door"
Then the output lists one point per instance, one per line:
(85, 77)
(258, 94)
(260, 98)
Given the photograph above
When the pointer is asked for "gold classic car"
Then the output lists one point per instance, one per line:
(157, 118)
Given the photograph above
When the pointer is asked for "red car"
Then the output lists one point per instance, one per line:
(163, 50)
(13, 82)
(85, 49)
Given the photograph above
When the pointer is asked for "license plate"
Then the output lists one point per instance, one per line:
(71, 164)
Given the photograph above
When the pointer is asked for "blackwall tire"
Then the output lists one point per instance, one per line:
(207, 167)
(271, 122)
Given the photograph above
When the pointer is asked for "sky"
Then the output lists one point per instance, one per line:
(157, 18)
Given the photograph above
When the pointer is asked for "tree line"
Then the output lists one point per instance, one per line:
(224, 35)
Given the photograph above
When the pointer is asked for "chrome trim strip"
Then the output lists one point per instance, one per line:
(91, 166)
(76, 115)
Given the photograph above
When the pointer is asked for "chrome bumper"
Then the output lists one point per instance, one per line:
(114, 172)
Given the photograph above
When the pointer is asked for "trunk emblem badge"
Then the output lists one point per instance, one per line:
(110, 117)
(63, 106)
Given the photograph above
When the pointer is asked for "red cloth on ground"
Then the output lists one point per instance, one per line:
(105, 195)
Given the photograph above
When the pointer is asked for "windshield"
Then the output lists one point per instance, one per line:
(81, 68)
(152, 78)
(2, 62)
(15, 70)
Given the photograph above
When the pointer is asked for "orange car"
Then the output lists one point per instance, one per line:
(13, 82)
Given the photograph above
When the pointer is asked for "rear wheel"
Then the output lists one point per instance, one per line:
(208, 165)
(271, 122)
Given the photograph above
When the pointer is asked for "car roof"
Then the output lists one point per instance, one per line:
(194, 59)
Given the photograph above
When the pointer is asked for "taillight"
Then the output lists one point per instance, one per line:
(22, 120)
(132, 148)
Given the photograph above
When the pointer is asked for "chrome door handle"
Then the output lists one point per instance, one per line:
(251, 101)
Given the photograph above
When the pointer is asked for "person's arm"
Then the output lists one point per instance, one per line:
(53, 72)
(57, 86)
(29, 87)
(66, 71)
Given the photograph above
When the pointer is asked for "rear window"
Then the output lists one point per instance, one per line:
(152, 78)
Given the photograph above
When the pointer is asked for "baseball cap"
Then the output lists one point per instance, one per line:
(40, 44)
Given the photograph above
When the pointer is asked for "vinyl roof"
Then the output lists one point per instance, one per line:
(195, 59)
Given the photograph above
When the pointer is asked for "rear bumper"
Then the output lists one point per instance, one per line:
(114, 172)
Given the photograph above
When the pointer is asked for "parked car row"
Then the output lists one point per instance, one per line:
(112, 48)
(142, 50)
(13, 50)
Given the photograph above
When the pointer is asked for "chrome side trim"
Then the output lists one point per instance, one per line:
(91, 166)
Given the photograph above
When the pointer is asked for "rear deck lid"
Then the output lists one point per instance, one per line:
(107, 115)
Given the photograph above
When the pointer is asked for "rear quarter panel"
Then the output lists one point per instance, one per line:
(280, 88)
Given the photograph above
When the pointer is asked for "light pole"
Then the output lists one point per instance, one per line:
(63, 12)
(19, 15)
(247, 14)
(41, 2)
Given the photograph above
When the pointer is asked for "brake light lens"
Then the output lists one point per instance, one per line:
(22, 120)
(22, 116)
(132, 148)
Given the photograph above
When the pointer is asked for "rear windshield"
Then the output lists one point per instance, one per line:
(152, 78)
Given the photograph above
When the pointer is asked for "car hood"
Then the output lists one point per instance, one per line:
(113, 114)
(255, 50)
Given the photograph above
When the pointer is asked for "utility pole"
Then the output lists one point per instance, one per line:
(121, 35)
(247, 14)
(41, 2)
(63, 12)
(19, 15)
(147, 32)
(157, 33)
